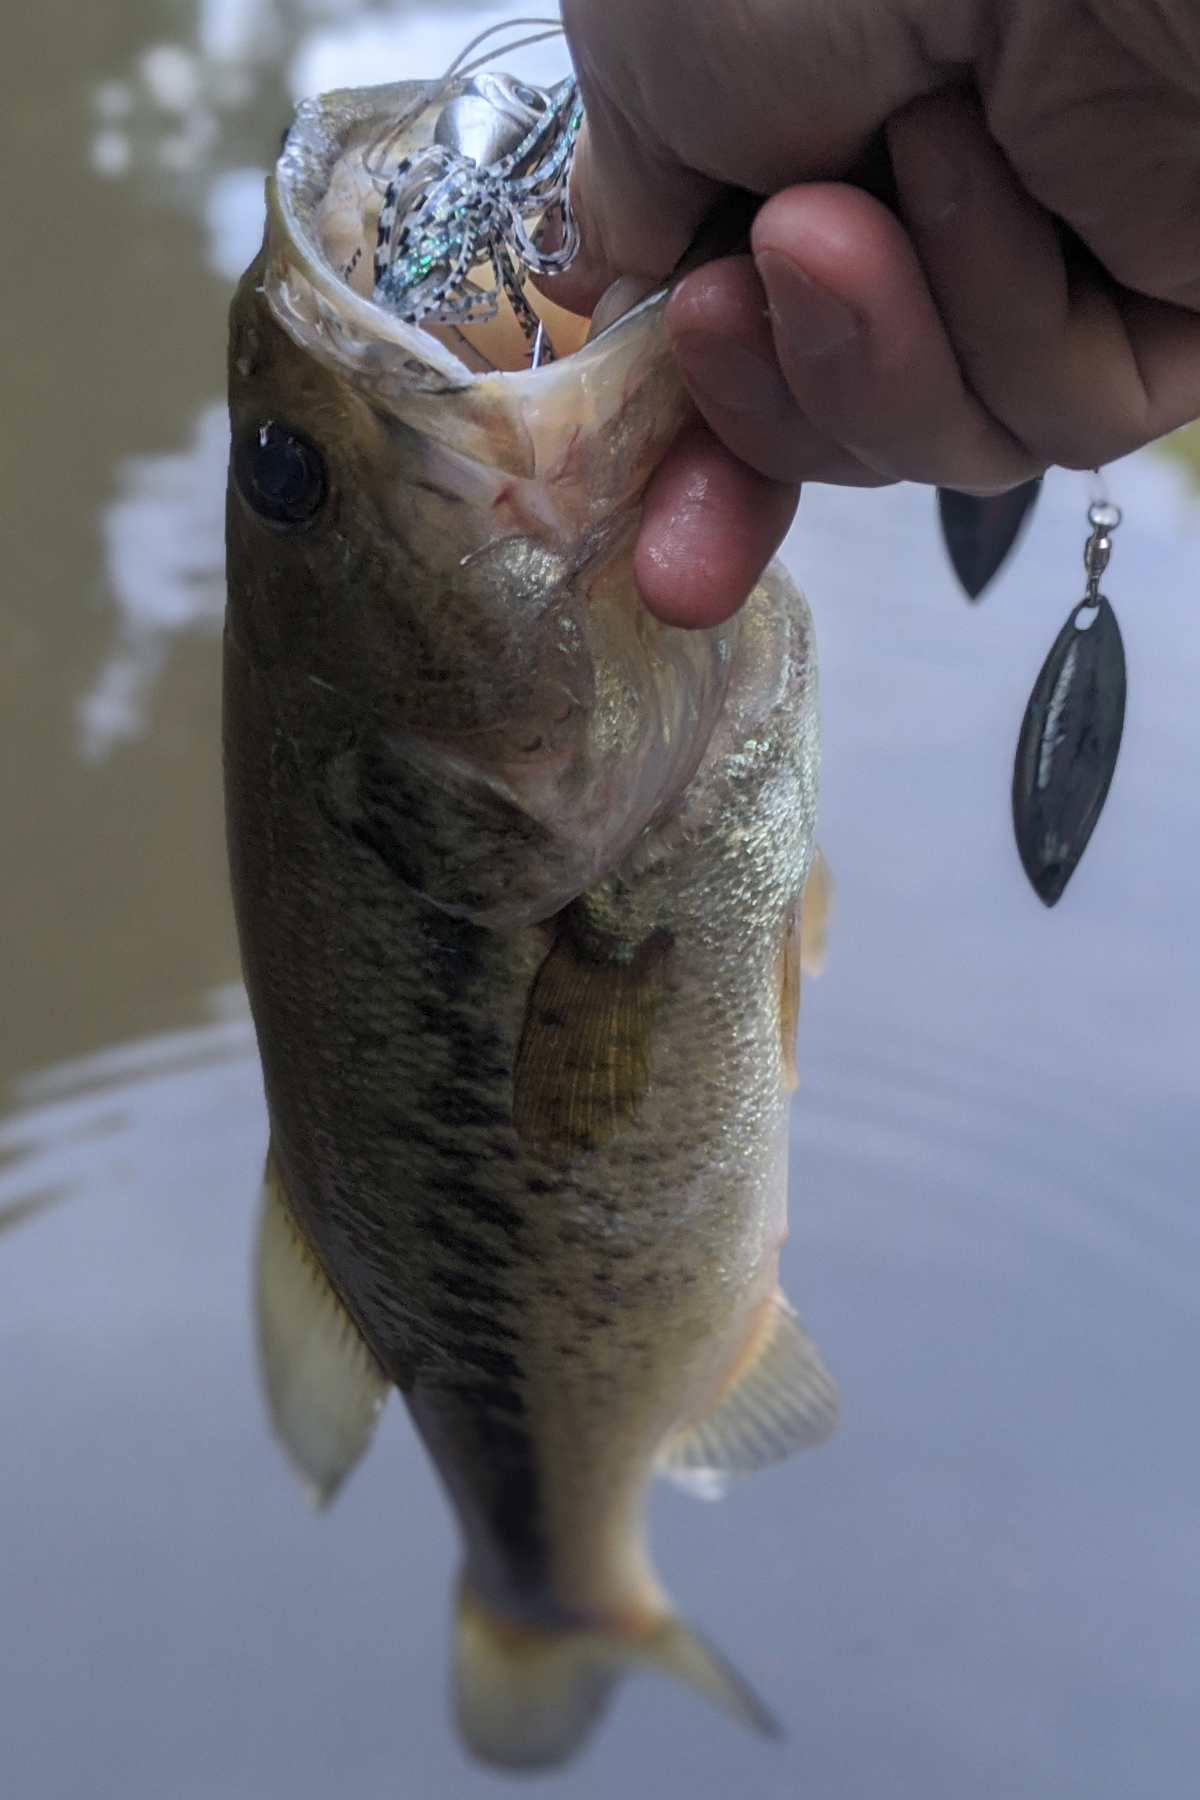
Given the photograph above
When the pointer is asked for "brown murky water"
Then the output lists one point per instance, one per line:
(112, 887)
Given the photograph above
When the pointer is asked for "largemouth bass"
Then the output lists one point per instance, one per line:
(518, 876)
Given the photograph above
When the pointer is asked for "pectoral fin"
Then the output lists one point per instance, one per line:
(583, 1063)
(782, 1399)
(324, 1388)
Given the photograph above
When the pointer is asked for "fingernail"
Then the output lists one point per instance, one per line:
(809, 320)
(728, 375)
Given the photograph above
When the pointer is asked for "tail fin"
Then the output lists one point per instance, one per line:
(528, 1699)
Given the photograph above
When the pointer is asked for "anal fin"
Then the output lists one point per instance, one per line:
(782, 1399)
(324, 1389)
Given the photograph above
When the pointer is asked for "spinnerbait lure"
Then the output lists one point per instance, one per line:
(500, 162)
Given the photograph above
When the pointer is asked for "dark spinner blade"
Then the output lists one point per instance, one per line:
(980, 532)
(1068, 746)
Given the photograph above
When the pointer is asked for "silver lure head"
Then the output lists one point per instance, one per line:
(499, 163)
(489, 117)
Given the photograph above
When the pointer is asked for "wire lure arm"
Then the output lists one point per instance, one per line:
(500, 160)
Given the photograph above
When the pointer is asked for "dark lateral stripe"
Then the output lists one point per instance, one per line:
(474, 1252)
(487, 1396)
(469, 1288)
(479, 1207)
(469, 1108)
(498, 1365)
(483, 1417)
(474, 1327)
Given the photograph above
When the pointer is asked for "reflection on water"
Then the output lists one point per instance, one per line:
(176, 101)
(164, 557)
(989, 1583)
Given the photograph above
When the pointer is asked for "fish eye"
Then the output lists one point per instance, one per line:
(530, 97)
(281, 475)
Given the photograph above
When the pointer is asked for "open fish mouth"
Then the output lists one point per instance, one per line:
(401, 259)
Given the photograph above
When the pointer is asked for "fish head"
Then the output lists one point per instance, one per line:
(430, 561)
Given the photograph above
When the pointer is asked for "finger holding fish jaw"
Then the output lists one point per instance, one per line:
(710, 525)
(967, 344)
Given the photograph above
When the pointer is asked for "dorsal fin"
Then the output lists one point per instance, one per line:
(324, 1388)
(584, 1059)
(782, 1399)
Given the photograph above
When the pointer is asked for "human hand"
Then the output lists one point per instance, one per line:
(969, 342)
